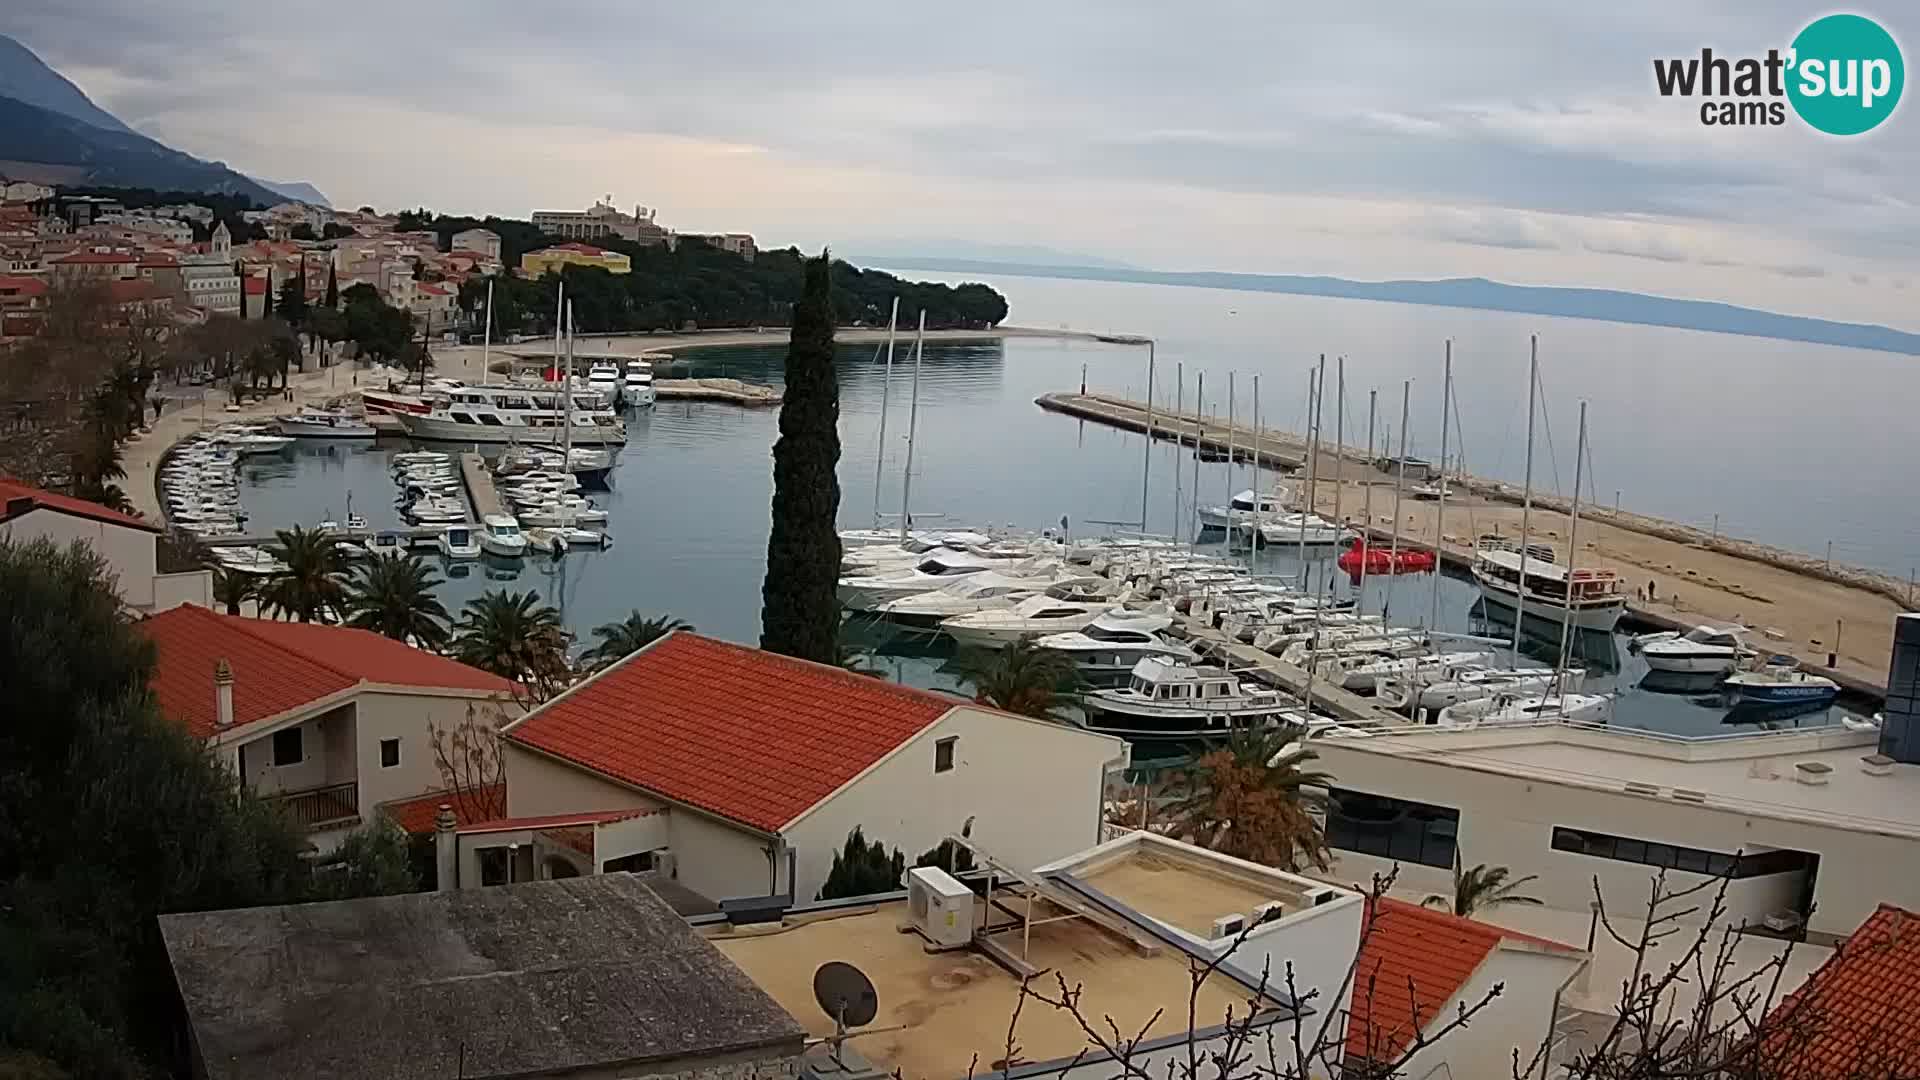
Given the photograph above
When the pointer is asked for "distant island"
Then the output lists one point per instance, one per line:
(1609, 305)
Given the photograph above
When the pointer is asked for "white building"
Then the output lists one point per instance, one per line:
(329, 721)
(24, 191)
(172, 230)
(128, 544)
(209, 279)
(479, 241)
(186, 212)
(601, 220)
(1804, 819)
(752, 768)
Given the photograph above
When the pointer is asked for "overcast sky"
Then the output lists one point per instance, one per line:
(1517, 140)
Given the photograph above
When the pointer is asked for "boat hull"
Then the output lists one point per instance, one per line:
(1602, 617)
(1791, 693)
(1688, 663)
(299, 429)
(1142, 726)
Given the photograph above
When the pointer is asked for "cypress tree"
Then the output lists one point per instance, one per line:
(266, 296)
(799, 612)
(333, 289)
(240, 272)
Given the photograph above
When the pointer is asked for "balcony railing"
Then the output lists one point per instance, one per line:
(321, 808)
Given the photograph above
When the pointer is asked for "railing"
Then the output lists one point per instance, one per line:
(321, 808)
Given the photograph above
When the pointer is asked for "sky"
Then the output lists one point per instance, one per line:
(1521, 141)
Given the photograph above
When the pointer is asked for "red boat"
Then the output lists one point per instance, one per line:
(1382, 560)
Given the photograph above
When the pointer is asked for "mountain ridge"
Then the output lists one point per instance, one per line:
(1606, 305)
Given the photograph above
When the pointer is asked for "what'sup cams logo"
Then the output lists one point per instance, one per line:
(1842, 75)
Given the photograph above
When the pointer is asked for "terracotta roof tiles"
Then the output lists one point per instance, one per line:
(750, 736)
(12, 490)
(1856, 1016)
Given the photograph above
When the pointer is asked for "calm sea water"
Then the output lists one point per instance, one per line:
(1685, 424)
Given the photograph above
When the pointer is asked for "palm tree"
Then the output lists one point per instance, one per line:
(516, 637)
(619, 640)
(311, 586)
(1025, 679)
(1481, 887)
(231, 588)
(1252, 797)
(393, 596)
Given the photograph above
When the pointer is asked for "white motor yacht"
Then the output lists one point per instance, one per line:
(253, 442)
(1437, 666)
(386, 542)
(535, 415)
(1035, 616)
(931, 572)
(1170, 699)
(324, 424)
(989, 591)
(1310, 529)
(1108, 647)
(249, 560)
(1781, 682)
(637, 384)
(603, 378)
(1596, 601)
(1507, 708)
(458, 542)
(500, 535)
(1242, 509)
(561, 513)
(1701, 650)
(1427, 693)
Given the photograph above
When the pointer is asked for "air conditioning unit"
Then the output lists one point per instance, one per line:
(939, 908)
(1227, 926)
(1268, 912)
(1321, 895)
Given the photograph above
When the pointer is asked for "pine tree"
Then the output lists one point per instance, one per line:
(333, 289)
(862, 869)
(799, 612)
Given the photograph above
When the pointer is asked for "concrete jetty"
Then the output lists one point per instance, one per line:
(1330, 698)
(1833, 620)
(482, 499)
(730, 391)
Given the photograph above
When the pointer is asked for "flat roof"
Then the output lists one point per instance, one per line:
(953, 1005)
(1753, 774)
(532, 979)
(1180, 893)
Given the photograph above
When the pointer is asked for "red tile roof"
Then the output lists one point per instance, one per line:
(20, 285)
(100, 257)
(255, 286)
(279, 666)
(751, 736)
(550, 821)
(415, 816)
(135, 290)
(1437, 951)
(1855, 1016)
(12, 490)
(430, 288)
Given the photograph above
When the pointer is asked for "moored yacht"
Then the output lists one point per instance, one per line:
(1701, 650)
(1244, 508)
(1426, 692)
(1589, 599)
(512, 413)
(1780, 682)
(987, 591)
(931, 572)
(1166, 698)
(1309, 529)
(1036, 616)
(458, 542)
(637, 383)
(324, 424)
(500, 535)
(1108, 647)
(1508, 708)
(604, 379)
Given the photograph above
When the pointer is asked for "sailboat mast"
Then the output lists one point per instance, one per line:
(566, 395)
(1306, 506)
(486, 337)
(1339, 448)
(1258, 431)
(1366, 526)
(1573, 559)
(913, 423)
(1399, 484)
(1146, 458)
(1199, 426)
(1526, 494)
(886, 391)
(1229, 506)
(1440, 513)
(1179, 438)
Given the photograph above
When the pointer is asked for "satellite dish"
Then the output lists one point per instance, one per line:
(846, 994)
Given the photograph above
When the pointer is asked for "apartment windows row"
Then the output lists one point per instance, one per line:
(1399, 829)
(1678, 857)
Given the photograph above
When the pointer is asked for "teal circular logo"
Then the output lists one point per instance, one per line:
(1846, 74)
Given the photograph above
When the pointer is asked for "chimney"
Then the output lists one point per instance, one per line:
(446, 857)
(222, 695)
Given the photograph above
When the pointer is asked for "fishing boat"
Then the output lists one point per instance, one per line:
(1362, 558)
(1418, 694)
(1506, 708)
(1168, 698)
(1584, 598)
(1035, 616)
(1107, 648)
(500, 535)
(324, 424)
(1780, 682)
(517, 414)
(1701, 650)
(458, 542)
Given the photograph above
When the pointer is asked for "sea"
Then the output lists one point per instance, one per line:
(1771, 440)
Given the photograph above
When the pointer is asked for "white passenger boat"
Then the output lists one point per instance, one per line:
(1596, 600)
(1506, 708)
(458, 542)
(324, 424)
(1167, 698)
(1108, 647)
(500, 535)
(1701, 650)
(536, 415)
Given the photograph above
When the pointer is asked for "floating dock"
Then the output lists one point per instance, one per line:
(730, 391)
(482, 499)
(1330, 698)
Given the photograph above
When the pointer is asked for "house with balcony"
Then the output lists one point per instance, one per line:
(328, 721)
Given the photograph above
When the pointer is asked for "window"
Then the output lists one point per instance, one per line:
(1674, 857)
(943, 754)
(389, 753)
(288, 747)
(639, 863)
(493, 866)
(1391, 828)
